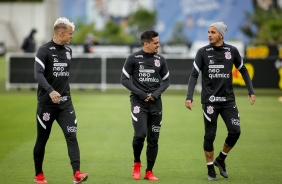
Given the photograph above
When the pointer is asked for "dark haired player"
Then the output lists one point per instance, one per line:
(145, 74)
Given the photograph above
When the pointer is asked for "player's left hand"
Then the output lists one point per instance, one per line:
(252, 98)
(149, 97)
(189, 104)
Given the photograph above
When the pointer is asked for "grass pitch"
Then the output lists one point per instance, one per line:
(105, 135)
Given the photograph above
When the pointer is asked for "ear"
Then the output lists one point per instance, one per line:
(146, 44)
(61, 33)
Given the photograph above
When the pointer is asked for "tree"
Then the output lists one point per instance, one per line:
(142, 19)
(81, 31)
(122, 31)
(264, 27)
(139, 21)
(114, 33)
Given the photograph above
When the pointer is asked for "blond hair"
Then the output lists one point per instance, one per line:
(63, 22)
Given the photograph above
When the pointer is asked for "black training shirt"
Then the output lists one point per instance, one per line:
(144, 73)
(216, 65)
(51, 71)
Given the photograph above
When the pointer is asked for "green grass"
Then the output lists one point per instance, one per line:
(105, 135)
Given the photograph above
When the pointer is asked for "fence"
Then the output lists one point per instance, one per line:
(103, 71)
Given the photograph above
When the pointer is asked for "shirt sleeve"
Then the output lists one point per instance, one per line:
(165, 81)
(126, 80)
(39, 68)
(239, 64)
(197, 66)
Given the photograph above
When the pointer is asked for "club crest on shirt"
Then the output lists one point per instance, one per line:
(210, 109)
(68, 55)
(46, 116)
(157, 63)
(227, 55)
(136, 109)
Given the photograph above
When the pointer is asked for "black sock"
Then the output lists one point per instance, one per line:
(221, 157)
(210, 167)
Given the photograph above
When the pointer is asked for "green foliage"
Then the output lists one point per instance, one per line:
(114, 33)
(271, 32)
(269, 26)
(121, 32)
(81, 31)
(142, 19)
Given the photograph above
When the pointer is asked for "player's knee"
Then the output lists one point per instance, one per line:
(235, 135)
(42, 139)
(209, 137)
(152, 142)
(139, 139)
(70, 136)
(232, 138)
(208, 146)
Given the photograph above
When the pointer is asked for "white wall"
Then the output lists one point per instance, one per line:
(17, 20)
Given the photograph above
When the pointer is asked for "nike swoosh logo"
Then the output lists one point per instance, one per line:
(71, 112)
(210, 56)
(141, 62)
(54, 54)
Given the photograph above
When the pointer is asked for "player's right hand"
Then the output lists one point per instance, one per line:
(149, 97)
(55, 96)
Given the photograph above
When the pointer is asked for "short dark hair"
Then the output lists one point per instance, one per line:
(148, 36)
